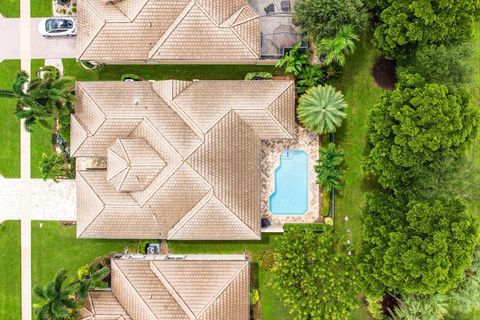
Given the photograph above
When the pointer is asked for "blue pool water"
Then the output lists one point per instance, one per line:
(291, 184)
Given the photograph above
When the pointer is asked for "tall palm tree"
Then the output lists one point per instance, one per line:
(43, 99)
(337, 48)
(322, 109)
(91, 277)
(433, 307)
(329, 167)
(59, 299)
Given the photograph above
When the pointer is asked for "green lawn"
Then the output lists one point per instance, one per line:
(40, 138)
(10, 8)
(10, 270)
(271, 307)
(163, 72)
(40, 8)
(10, 134)
(55, 246)
(361, 93)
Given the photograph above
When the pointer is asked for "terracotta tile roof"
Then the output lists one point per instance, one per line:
(156, 30)
(189, 144)
(201, 287)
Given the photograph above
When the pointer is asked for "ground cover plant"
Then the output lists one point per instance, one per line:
(10, 142)
(10, 270)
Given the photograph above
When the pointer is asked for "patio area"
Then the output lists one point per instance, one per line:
(277, 30)
(271, 152)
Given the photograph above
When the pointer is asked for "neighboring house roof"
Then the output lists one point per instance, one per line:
(198, 287)
(156, 30)
(183, 157)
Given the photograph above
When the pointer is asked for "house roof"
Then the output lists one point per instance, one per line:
(156, 30)
(210, 287)
(200, 141)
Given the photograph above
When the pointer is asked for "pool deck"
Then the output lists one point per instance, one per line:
(271, 152)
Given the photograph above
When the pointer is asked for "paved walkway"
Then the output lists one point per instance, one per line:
(9, 34)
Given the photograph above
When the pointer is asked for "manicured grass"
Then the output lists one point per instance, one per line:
(10, 128)
(40, 8)
(40, 138)
(361, 94)
(10, 270)
(163, 72)
(55, 246)
(10, 8)
(271, 307)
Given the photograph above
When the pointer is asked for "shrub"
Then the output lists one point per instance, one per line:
(324, 18)
(130, 76)
(266, 259)
(329, 167)
(295, 60)
(309, 77)
(50, 71)
(254, 296)
(325, 211)
(258, 76)
(374, 307)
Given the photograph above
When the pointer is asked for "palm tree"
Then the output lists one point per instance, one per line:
(91, 277)
(59, 299)
(322, 109)
(329, 167)
(43, 99)
(309, 77)
(433, 307)
(294, 60)
(53, 166)
(336, 48)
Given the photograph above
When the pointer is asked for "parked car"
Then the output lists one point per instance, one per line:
(58, 27)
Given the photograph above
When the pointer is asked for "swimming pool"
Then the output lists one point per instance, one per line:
(291, 184)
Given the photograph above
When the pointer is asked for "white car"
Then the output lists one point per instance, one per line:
(58, 27)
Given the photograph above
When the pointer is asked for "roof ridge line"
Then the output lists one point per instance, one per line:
(183, 115)
(290, 82)
(233, 17)
(223, 289)
(84, 91)
(96, 216)
(232, 28)
(134, 289)
(237, 217)
(186, 218)
(278, 123)
(121, 159)
(170, 29)
(99, 30)
(172, 291)
(74, 118)
(206, 13)
(247, 20)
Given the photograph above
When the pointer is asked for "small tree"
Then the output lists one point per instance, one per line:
(310, 76)
(329, 167)
(337, 48)
(55, 166)
(91, 276)
(322, 109)
(434, 307)
(59, 299)
(294, 61)
(314, 276)
(325, 18)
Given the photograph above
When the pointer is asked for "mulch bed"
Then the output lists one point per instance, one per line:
(383, 72)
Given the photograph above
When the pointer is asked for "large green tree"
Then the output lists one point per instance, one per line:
(404, 24)
(448, 65)
(413, 126)
(322, 109)
(415, 247)
(314, 276)
(325, 18)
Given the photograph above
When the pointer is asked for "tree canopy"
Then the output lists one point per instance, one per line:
(325, 18)
(413, 126)
(315, 278)
(404, 24)
(417, 246)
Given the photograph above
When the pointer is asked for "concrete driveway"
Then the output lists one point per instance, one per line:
(50, 48)
(9, 38)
